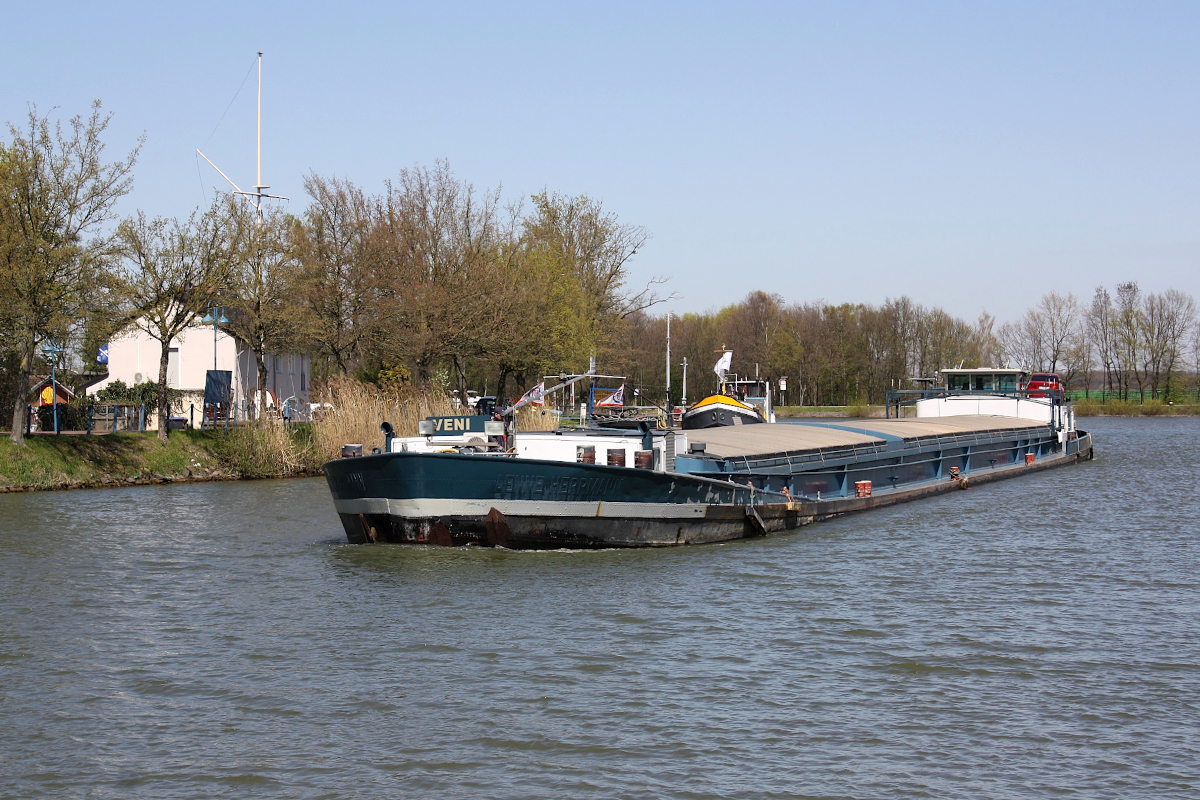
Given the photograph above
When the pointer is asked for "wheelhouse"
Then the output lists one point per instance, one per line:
(985, 379)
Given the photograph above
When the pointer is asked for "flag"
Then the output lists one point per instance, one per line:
(535, 396)
(102, 354)
(722, 366)
(614, 400)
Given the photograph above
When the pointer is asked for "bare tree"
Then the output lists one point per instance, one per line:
(1177, 321)
(1023, 341)
(340, 253)
(1098, 320)
(169, 272)
(1126, 329)
(448, 271)
(985, 340)
(262, 285)
(1059, 320)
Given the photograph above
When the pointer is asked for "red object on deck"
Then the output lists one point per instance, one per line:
(862, 488)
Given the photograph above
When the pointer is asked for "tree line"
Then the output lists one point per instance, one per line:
(428, 280)
(1128, 344)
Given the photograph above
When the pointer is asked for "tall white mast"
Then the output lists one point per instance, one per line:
(259, 185)
(668, 358)
(257, 196)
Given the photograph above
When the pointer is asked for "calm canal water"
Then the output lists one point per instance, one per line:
(1038, 637)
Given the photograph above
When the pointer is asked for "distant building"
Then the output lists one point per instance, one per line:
(133, 358)
(43, 390)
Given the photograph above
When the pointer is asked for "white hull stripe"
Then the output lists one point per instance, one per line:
(443, 507)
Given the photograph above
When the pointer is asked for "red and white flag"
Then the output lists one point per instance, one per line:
(534, 397)
(614, 400)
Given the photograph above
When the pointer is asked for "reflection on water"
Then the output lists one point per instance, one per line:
(1030, 638)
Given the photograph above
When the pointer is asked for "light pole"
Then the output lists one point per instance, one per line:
(52, 350)
(217, 317)
(684, 400)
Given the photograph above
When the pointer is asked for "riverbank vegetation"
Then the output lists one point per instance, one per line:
(425, 286)
(262, 448)
(64, 462)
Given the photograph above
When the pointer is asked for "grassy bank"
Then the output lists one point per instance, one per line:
(264, 450)
(66, 462)
(1145, 408)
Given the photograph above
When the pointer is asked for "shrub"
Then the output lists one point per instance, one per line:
(71, 417)
(858, 409)
(144, 392)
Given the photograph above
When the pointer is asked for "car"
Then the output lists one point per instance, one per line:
(485, 404)
(318, 411)
(1043, 384)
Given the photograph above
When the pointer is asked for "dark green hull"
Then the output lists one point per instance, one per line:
(453, 499)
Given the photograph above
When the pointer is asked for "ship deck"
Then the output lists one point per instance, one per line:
(742, 441)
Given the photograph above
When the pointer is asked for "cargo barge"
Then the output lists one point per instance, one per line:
(651, 488)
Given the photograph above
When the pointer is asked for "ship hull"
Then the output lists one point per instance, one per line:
(457, 500)
(719, 411)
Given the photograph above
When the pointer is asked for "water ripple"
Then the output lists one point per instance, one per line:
(1033, 638)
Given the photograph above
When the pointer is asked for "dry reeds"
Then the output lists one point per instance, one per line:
(533, 418)
(358, 409)
(266, 449)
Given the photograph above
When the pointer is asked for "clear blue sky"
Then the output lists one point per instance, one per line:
(970, 155)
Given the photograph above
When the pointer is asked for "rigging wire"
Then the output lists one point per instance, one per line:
(199, 172)
(231, 102)
(200, 175)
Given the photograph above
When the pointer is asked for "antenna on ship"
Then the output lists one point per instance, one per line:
(258, 195)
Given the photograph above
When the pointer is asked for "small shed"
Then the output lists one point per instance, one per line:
(42, 392)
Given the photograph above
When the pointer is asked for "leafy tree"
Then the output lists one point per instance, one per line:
(450, 287)
(56, 190)
(592, 247)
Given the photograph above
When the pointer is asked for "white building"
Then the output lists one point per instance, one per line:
(133, 358)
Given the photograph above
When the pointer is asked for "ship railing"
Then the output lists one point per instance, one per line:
(899, 398)
(783, 463)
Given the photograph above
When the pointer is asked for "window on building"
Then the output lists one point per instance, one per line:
(173, 368)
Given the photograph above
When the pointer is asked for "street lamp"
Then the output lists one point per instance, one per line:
(216, 316)
(52, 351)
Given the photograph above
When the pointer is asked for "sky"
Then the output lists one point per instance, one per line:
(972, 156)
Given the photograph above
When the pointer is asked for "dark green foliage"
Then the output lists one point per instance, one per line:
(146, 392)
(71, 416)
